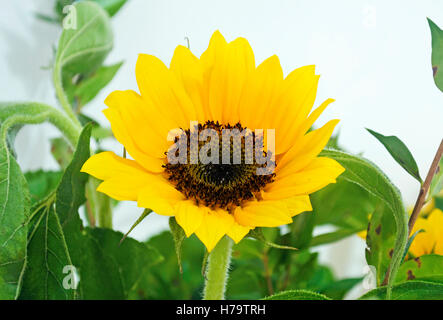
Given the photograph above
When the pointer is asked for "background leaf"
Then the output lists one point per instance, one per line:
(81, 49)
(42, 183)
(427, 268)
(437, 54)
(399, 152)
(411, 290)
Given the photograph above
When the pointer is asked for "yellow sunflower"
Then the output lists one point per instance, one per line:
(431, 240)
(220, 90)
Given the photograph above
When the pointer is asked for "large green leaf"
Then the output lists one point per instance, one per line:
(164, 280)
(297, 295)
(400, 152)
(437, 54)
(427, 267)
(368, 176)
(48, 255)
(14, 210)
(109, 270)
(343, 204)
(411, 290)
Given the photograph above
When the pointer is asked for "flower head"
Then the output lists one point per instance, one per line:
(431, 239)
(211, 186)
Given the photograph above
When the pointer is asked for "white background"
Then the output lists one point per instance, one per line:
(373, 58)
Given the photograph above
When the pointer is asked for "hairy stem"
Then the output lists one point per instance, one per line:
(217, 272)
(61, 95)
(33, 113)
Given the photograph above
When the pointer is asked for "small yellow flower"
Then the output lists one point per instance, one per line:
(431, 240)
(222, 89)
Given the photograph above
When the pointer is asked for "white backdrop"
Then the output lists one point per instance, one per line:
(373, 57)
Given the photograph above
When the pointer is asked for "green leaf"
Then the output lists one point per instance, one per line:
(14, 211)
(42, 183)
(343, 204)
(334, 236)
(380, 240)
(48, 254)
(71, 190)
(126, 263)
(410, 240)
(87, 89)
(164, 281)
(301, 229)
(338, 289)
(427, 268)
(82, 50)
(437, 54)
(178, 234)
(400, 152)
(373, 180)
(411, 290)
(297, 295)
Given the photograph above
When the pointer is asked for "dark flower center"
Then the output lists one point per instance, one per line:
(227, 180)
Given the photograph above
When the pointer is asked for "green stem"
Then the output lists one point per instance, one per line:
(217, 272)
(33, 112)
(61, 95)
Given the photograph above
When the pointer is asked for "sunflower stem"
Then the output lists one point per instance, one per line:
(217, 270)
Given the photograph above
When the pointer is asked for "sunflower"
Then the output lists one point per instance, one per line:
(431, 239)
(223, 89)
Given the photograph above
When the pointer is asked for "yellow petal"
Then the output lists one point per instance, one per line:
(307, 124)
(305, 150)
(189, 216)
(238, 232)
(216, 48)
(159, 86)
(317, 175)
(298, 204)
(161, 197)
(263, 214)
(132, 113)
(189, 71)
(294, 104)
(124, 178)
(227, 81)
(121, 133)
(261, 90)
(215, 224)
